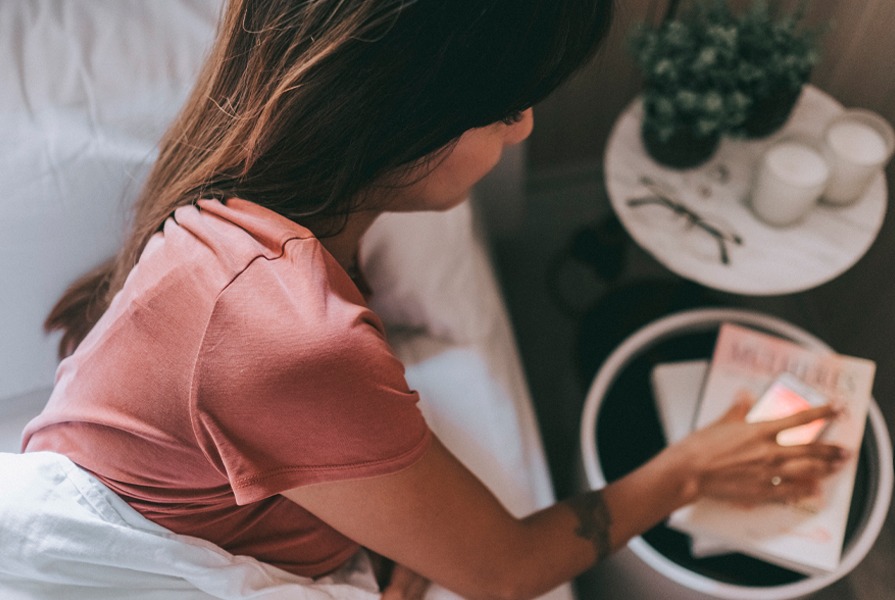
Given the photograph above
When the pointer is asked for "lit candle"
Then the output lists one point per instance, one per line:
(791, 177)
(858, 143)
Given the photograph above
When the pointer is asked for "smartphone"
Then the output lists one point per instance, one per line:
(788, 395)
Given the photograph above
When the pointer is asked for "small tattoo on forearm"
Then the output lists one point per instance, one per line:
(593, 521)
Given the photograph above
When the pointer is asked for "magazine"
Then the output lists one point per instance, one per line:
(805, 536)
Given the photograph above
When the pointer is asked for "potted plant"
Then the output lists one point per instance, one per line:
(776, 57)
(690, 98)
(709, 72)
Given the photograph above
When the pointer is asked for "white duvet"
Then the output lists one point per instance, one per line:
(65, 535)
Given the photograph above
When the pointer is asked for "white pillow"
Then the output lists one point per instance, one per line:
(431, 271)
(88, 88)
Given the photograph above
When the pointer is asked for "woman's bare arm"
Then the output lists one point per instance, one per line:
(438, 520)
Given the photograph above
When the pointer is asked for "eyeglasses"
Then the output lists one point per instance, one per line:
(663, 197)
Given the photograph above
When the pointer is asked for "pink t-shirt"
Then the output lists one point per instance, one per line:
(238, 361)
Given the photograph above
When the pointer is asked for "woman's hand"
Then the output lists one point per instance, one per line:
(396, 581)
(742, 462)
(405, 585)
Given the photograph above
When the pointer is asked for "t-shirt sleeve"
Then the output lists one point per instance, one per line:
(296, 384)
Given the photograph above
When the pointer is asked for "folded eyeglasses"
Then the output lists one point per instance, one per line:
(661, 196)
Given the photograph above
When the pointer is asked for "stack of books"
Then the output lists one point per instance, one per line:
(804, 536)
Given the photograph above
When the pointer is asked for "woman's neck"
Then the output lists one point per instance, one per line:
(344, 245)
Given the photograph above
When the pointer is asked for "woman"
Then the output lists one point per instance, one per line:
(224, 375)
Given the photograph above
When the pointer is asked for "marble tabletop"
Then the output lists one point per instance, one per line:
(769, 260)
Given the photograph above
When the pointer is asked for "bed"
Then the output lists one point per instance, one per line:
(88, 89)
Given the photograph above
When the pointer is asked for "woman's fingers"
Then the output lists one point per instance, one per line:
(804, 417)
(783, 488)
(817, 450)
(808, 467)
(768, 471)
(805, 461)
(765, 489)
(740, 407)
(757, 485)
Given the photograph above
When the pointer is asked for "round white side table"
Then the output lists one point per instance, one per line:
(655, 572)
(770, 260)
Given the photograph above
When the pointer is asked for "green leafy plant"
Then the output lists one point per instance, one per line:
(777, 55)
(706, 70)
(775, 50)
(687, 64)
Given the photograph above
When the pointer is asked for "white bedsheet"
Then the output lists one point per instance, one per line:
(65, 535)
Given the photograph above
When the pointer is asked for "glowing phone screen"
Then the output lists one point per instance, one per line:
(782, 401)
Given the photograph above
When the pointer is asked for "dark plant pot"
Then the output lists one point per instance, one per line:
(683, 150)
(769, 113)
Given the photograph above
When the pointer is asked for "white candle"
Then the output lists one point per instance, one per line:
(791, 176)
(859, 143)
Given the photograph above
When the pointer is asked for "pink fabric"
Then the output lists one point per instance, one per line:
(238, 361)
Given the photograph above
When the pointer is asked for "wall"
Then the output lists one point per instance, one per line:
(573, 124)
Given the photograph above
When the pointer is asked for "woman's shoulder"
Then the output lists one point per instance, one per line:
(296, 305)
(230, 234)
(301, 296)
(269, 295)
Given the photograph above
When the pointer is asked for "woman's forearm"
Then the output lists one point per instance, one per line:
(571, 536)
(727, 460)
(439, 520)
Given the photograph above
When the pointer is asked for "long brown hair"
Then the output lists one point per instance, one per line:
(303, 104)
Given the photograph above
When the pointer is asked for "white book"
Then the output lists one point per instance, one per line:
(806, 536)
(677, 388)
